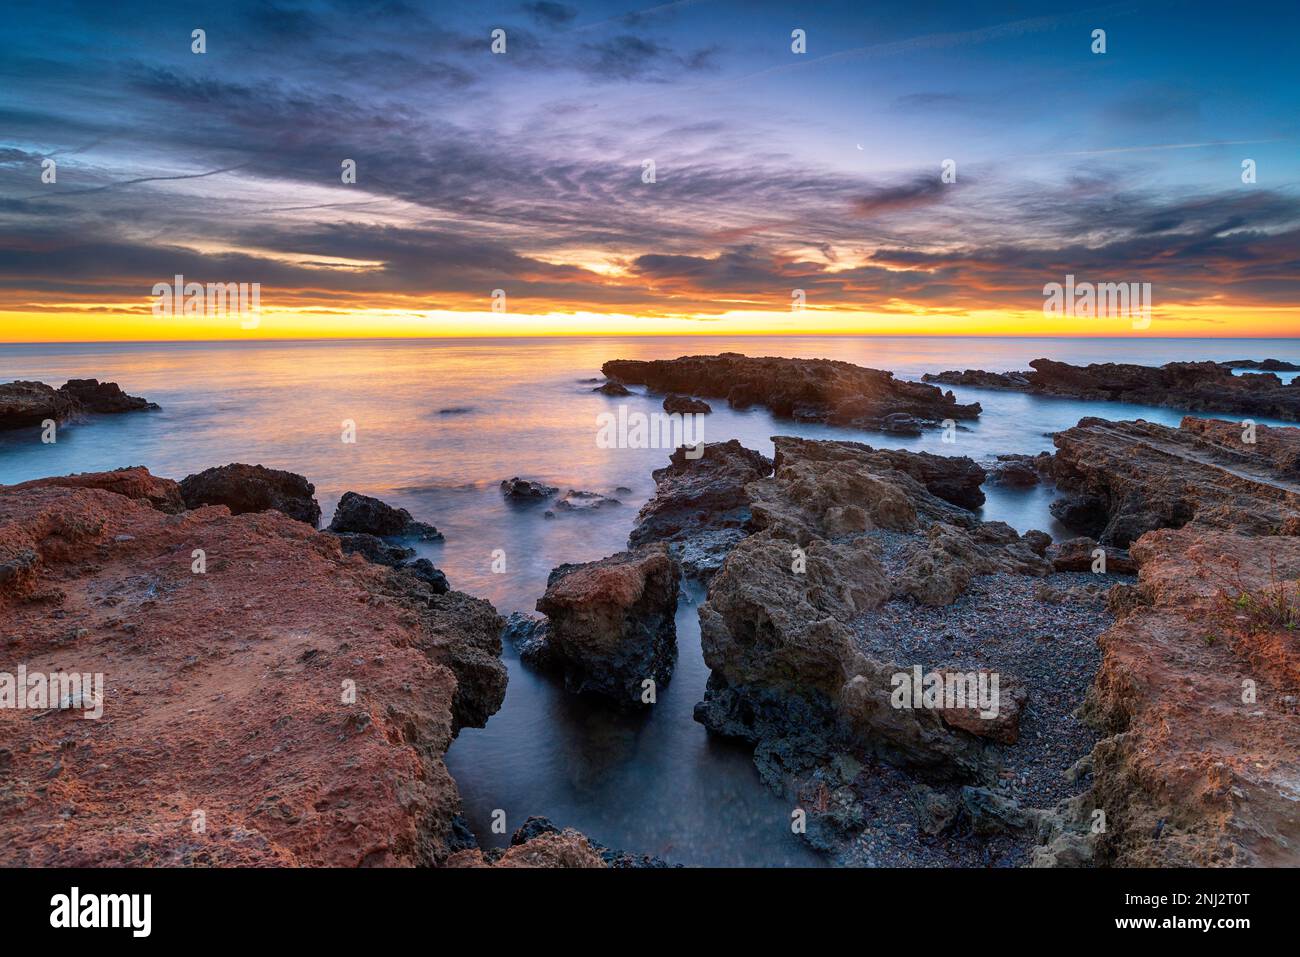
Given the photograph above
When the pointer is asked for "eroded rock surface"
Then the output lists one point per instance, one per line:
(610, 623)
(28, 404)
(813, 390)
(700, 506)
(227, 692)
(1126, 478)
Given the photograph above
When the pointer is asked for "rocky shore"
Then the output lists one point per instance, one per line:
(29, 404)
(267, 698)
(808, 390)
(1195, 386)
(1147, 721)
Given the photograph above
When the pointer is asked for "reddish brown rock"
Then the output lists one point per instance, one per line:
(228, 734)
(611, 622)
(565, 848)
(1199, 696)
(1126, 478)
(136, 482)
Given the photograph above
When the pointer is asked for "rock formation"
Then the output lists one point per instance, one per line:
(370, 516)
(1126, 478)
(266, 698)
(700, 507)
(610, 623)
(674, 402)
(1195, 386)
(252, 488)
(524, 490)
(811, 390)
(29, 404)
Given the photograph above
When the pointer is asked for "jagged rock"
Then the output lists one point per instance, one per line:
(613, 388)
(1195, 386)
(1126, 478)
(525, 490)
(814, 390)
(361, 513)
(103, 397)
(610, 623)
(27, 404)
(1004, 727)
(674, 402)
(775, 628)
(551, 848)
(1264, 365)
(990, 812)
(1037, 541)
(252, 488)
(253, 654)
(528, 636)
(700, 507)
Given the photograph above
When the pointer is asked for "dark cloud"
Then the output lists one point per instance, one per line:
(550, 14)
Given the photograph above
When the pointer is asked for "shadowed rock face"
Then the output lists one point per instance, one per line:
(1198, 386)
(1122, 479)
(700, 507)
(369, 516)
(226, 692)
(28, 404)
(611, 623)
(842, 529)
(814, 390)
(104, 398)
(253, 488)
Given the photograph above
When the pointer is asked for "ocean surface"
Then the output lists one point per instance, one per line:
(439, 423)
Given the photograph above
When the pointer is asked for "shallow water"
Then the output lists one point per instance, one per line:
(440, 423)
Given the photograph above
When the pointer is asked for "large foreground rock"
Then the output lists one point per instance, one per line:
(1199, 697)
(611, 623)
(1195, 386)
(843, 529)
(813, 390)
(289, 705)
(253, 488)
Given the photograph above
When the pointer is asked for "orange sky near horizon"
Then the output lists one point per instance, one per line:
(129, 323)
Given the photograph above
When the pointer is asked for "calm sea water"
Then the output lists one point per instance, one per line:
(440, 423)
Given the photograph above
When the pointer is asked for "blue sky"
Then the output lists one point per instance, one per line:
(773, 169)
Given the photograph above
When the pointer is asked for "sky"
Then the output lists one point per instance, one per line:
(508, 193)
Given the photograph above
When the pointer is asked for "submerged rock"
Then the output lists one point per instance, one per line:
(675, 402)
(613, 388)
(610, 623)
(575, 500)
(814, 390)
(525, 490)
(252, 488)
